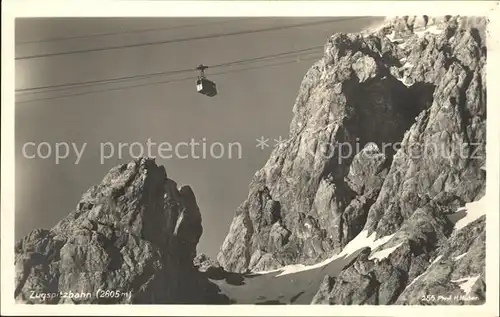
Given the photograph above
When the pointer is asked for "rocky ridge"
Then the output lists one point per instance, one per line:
(387, 139)
(135, 233)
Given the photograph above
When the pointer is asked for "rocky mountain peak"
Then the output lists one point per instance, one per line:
(387, 140)
(135, 232)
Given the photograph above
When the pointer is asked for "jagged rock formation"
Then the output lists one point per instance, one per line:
(208, 266)
(388, 137)
(135, 233)
(457, 272)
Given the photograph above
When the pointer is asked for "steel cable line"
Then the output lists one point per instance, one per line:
(313, 48)
(109, 48)
(124, 32)
(168, 81)
(43, 89)
(47, 88)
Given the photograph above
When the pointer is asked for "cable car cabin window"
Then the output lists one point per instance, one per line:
(206, 87)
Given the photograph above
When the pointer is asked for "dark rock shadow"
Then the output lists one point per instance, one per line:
(294, 298)
(235, 279)
(270, 302)
(217, 274)
(211, 294)
(254, 275)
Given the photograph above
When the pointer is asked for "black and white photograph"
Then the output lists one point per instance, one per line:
(334, 160)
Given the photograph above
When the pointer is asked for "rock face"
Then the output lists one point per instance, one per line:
(457, 272)
(135, 233)
(388, 137)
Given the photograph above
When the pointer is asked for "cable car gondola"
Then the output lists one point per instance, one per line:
(203, 85)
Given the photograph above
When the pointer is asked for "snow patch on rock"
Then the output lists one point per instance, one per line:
(362, 240)
(467, 283)
(473, 211)
(384, 253)
(458, 257)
